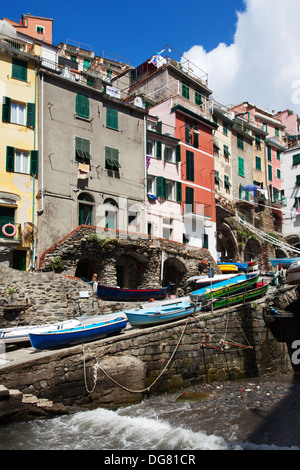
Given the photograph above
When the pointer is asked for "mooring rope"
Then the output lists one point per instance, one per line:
(97, 366)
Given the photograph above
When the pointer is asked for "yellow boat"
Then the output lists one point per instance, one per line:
(228, 268)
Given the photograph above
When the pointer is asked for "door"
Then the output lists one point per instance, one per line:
(19, 260)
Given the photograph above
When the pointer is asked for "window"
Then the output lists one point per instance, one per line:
(151, 148)
(278, 173)
(217, 178)
(278, 154)
(112, 118)
(240, 142)
(189, 199)
(196, 136)
(185, 90)
(112, 159)
(17, 113)
(86, 63)
(169, 154)
(225, 129)
(241, 169)
(269, 153)
(296, 159)
(298, 180)
(226, 151)
(258, 163)
(187, 132)
(170, 190)
(189, 165)
(21, 161)
(270, 174)
(198, 98)
(276, 132)
(205, 240)
(82, 150)
(226, 182)
(257, 141)
(82, 106)
(86, 203)
(40, 29)
(19, 69)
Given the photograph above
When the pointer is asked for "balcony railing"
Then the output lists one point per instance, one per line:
(10, 231)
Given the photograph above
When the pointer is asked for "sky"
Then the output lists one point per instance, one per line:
(250, 49)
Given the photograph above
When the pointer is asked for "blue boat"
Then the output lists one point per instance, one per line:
(107, 325)
(285, 262)
(130, 295)
(162, 313)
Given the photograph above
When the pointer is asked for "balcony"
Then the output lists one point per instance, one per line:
(9, 232)
(278, 200)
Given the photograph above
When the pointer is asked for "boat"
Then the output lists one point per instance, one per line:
(107, 325)
(285, 262)
(235, 284)
(238, 298)
(202, 281)
(20, 334)
(130, 295)
(228, 268)
(159, 314)
(240, 266)
(293, 274)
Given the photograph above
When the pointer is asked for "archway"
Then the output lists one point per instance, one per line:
(252, 250)
(86, 205)
(85, 269)
(173, 272)
(130, 270)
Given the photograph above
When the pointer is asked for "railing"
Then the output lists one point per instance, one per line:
(279, 200)
(10, 231)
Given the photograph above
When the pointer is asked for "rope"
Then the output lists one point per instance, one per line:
(97, 366)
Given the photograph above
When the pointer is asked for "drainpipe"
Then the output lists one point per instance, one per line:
(145, 163)
(33, 176)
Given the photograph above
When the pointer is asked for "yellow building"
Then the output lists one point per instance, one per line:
(18, 149)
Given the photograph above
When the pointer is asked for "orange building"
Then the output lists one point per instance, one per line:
(34, 26)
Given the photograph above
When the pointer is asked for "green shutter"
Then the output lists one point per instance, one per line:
(6, 106)
(30, 114)
(296, 159)
(160, 187)
(19, 69)
(270, 175)
(82, 150)
(241, 166)
(258, 163)
(34, 162)
(269, 153)
(189, 197)
(189, 166)
(10, 158)
(178, 154)
(112, 118)
(158, 150)
(298, 180)
(82, 106)
(178, 192)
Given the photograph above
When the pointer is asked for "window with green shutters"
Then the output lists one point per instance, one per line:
(189, 199)
(18, 161)
(241, 169)
(278, 173)
(226, 151)
(205, 240)
(226, 182)
(258, 163)
(225, 129)
(82, 150)
(14, 112)
(189, 165)
(240, 142)
(269, 150)
(158, 150)
(185, 90)
(82, 106)
(278, 154)
(270, 173)
(217, 177)
(112, 161)
(198, 98)
(112, 118)
(161, 187)
(19, 69)
(276, 132)
(298, 180)
(296, 159)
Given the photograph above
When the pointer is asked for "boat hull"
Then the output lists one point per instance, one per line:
(229, 286)
(293, 274)
(130, 295)
(228, 268)
(161, 314)
(78, 335)
(21, 334)
(285, 262)
(239, 298)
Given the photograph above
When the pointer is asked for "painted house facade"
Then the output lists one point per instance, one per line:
(19, 150)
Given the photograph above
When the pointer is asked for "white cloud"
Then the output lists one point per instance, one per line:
(262, 65)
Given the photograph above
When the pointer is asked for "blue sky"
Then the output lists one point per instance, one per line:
(137, 29)
(250, 49)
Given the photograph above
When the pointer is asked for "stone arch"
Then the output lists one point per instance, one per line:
(226, 243)
(85, 269)
(252, 250)
(173, 272)
(130, 269)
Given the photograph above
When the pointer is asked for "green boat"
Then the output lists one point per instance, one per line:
(238, 298)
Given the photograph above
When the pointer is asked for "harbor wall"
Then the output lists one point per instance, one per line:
(115, 371)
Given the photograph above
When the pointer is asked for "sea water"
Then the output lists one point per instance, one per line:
(156, 424)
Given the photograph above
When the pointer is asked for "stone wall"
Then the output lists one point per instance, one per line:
(219, 346)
